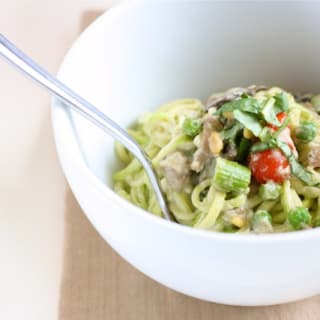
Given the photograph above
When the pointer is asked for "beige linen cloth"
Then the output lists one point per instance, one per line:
(97, 284)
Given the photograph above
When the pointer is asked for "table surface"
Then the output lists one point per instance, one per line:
(32, 186)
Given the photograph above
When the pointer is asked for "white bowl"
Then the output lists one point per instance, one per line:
(144, 53)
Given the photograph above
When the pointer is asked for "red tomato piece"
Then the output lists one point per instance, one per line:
(272, 165)
(281, 116)
(269, 165)
(285, 134)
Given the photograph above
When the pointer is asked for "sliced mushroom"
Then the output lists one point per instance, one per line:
(216, 101)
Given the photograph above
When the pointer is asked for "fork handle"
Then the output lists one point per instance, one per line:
(31, 69)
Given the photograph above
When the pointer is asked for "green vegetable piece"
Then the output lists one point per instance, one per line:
(243, 150)
(299, 218)
(191, 127)
(269, 112)
(306, 132)
(281, 102)
(282, 127)
(246, 104)
(249, 121)
(231, 134)
(270, 191)
(296, 168)
(262, 222)
(261, 146)
(266, 134)
(230, 176)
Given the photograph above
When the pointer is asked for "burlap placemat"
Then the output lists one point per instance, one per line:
(97, 284)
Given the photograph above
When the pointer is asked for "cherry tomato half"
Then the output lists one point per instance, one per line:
(272, 165)
(269, 165)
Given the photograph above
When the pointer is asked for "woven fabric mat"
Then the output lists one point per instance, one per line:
(97, 284)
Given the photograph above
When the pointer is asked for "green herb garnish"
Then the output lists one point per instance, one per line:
(262, 146)
(243, 150)
(231, 134)
(266, 134)
(282, 127)
(296, 168)
(269, 112)
(249, 121)
(281, 102)
(247, 104)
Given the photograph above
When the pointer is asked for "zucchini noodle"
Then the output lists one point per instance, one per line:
(207, 161)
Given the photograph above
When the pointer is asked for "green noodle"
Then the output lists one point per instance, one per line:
(200, 203)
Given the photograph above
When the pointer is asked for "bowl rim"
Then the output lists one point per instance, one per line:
(106, 191)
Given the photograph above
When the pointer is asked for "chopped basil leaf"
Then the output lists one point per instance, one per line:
(266, 134)
(282, 127)
(230, 134)
(249, 121)
(262, 146)
(269, 112)
(281, 102)
(243, 149)
(296, 168)
(247, 104)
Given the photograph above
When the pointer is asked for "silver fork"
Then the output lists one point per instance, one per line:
(28, 67)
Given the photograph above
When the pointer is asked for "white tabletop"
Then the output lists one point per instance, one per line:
(32, 186)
